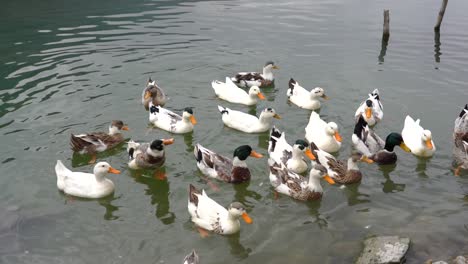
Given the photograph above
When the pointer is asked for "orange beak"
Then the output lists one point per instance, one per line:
(325, 97)
(329, 179)
(366, 160)
(147, 95)
(275, 67)
(261, 96)
(368, 113)
(277, 116)
(338, 137)
(193, 120)
(247, 218)
(113, 171)
(309, 154)
(168, 141)
(125, 128)
(256, 154)
(429, 144)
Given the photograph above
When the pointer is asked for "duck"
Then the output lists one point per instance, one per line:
(324, 135)
(248, 123)
(147, 155)
(153, 93)
(222, 168)
(170, 121)
(344, 172)
(85, 185)
(460, 137)
(92, 143)
(292, 156)
(296, 186)
(303, 98)
(418, 139)
(249, 79)
(211, 216)
(371, 109)
(230, 92)
(191, 258)
(367, 142)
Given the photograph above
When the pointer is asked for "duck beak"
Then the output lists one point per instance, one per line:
(261, 96)
(368, 113)
(367, 160)
(125, 128)
(329, 179)
(277, 116)
(275, 67)
(325, 97)
(405, 148)
(338, 137)
(256, 154)
(309, 154)
(113, 171)
(247, 218)
(429, 144)
(193, 120)
(147, 95)
(168, 141)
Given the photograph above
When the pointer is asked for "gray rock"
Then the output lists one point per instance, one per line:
(384, 250)
(460, 260)
(439, 262)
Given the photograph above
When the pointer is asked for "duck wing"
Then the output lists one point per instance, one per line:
(93, 141)
(278, 147)
(210, 159)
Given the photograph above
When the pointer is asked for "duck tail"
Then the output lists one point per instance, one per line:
(197, 152)
(464, 111)
(193, 194)
(61, 170)
(313, 147)
(291, 84)
(275, 134)
(77, 144)
(223, 110)
(360, 126)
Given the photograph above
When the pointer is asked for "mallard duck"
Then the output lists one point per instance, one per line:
(153, 93)
(341, 171)
(222, 168)
(371, 109)
(249, 79)
(191, 258)
(170, 121)
(230, 92)
(94, 142)
(418, 140)
(248, 123)
(85, 185)
(147, 155)
(211, 216)
(460, 137)
(303, 98)
(291, 156)
(367, 142)
(324, 135)
(298, 187)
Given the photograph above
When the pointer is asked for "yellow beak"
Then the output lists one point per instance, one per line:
(404, 147)
(193, 120)
(310, 154)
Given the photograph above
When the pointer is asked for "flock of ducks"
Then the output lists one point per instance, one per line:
(287, 163)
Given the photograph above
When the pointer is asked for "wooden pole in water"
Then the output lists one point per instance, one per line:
(441, 15)
(386, 25)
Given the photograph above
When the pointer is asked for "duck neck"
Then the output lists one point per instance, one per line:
(100, 176)
(268, 74)
(352, 165)
(154, 154)
(389, 146)
(236, 162)
(113, 130)
(297, 154)
(267, 120)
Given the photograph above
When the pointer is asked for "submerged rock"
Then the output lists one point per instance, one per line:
(384, 250)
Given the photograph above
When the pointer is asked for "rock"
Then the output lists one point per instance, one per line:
(439, 262)
(384, 250)
(460, 260)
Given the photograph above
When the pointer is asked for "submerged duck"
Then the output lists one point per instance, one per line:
(191, 258)
(211, 216)
(341, 171)
(418, 140)
(371, 109)
(298, 187)
(222, 168)
(147, 155)
(291, 156)
(249, 79)
(94, 142)
(324, 135)
(153, 93)
(460, 137)
(170, 121)
(367, 142)
(303, 98)
(230, 92)
(85, 185)
(248, 123)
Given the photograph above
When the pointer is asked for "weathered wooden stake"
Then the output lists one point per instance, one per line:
(441, 15)
(386, 25)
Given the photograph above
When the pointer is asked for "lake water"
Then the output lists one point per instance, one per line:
(72, 67)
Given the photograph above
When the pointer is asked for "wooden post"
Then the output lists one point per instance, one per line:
(441, 15)
(437, 44)
(386, 25)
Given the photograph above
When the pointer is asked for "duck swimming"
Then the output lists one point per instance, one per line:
(147, 155)
(230, 92)
(371, 109)
(303, 98)
(324, 135)
(418, 139)
(246, 122)
(170, 121)
(460, 138)
(153, 93)
(249, 79)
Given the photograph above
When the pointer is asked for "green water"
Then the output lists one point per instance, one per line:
(72, 67)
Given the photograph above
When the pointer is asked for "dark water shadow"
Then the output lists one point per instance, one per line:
(79, 160)
(317, 218)
(242, 193)
(188, 140)
(354, 196)
(236, 248)
(263, 139)
(105, 202)
(421, 166)
(253, 110)
(437, 45)
(389, 186)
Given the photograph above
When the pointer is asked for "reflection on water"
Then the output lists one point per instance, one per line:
(437, 45)
(263, 139)
(106, 202)
(242, 193)
(383, 49)
(237, 249)
(354, 196)
(188, 140)
(421, 166)
(389, 186)
(79, 160)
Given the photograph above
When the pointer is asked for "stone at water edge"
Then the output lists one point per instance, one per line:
(460, 260)
(384, 250)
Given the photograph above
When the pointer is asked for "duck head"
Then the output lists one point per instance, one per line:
(368, 108)
(269, 113)
(332, 130)
(302, 146)
(237, 210)
(395, 139)
(244, 151)
(318, 171)
(255, 91)
(318, 92)
(102, 168)
(188, 115)
(156, 148)
(427, 139)
(116, 126)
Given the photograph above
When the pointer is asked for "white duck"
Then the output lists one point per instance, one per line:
(291, 156)
(371, 109)
(460, 138)
(85, 185)
(191, 258)
(230, 92)
(418, 140)
(211, 216)
(170, 121)
(249, 79)
(248, 123)
(324, 135)
(303, 98)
